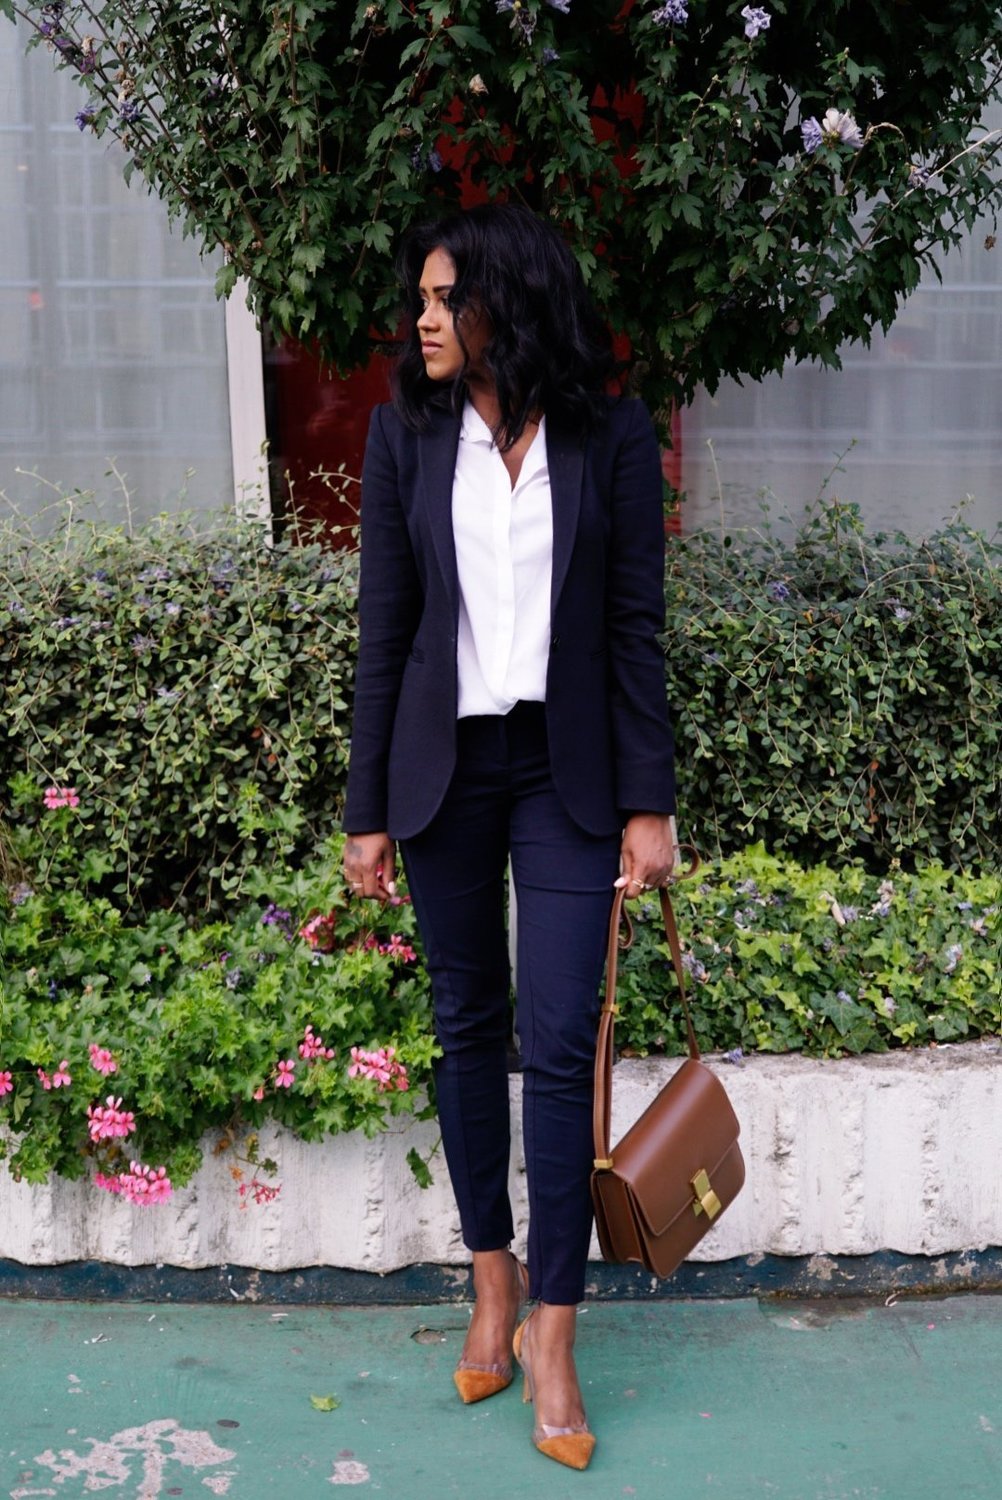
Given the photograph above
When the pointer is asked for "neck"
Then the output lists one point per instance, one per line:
(484, 399)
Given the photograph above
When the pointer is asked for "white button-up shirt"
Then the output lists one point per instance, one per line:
(504, 556)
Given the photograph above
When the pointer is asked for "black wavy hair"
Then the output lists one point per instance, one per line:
(549, 350)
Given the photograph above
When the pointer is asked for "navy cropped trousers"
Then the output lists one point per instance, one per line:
(501, 802)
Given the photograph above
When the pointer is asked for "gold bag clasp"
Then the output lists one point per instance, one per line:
(706, 1200)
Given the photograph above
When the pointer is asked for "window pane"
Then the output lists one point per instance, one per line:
(915, 421)
(112, 343)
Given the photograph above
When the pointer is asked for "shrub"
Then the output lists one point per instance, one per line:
(741, 184)
(783, 958)
(839, 693)
(203, 1022)
(191, 685)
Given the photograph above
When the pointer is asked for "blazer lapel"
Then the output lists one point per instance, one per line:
(437, 449)
(565, 460)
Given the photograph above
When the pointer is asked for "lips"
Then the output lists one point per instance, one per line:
(430, 348)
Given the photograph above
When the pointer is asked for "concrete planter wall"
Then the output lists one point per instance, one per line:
(897, 1152)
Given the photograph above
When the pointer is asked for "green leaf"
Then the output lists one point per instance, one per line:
(324, 1403)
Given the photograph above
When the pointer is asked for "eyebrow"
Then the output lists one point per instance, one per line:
(447, 287)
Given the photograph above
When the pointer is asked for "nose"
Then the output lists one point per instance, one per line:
(428, 321)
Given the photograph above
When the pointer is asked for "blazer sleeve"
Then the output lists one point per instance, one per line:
(643, 743)
(389, 607)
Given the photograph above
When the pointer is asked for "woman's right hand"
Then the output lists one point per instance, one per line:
(370, 865)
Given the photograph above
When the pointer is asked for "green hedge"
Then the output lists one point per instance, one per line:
(193, 686)
(823, 960)
(202, 1021)
(839, 693)
(836, 694)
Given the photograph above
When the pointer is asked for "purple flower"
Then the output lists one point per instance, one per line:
(851, 913)
(839, 128)
(142, 645)
(88, 63)
(812, 135)
(550, 55)
(900, 613)
(844, 996)
(562, 5)
(756, 20)
(953, 956)
(421, 161)
(694, 966)
(21, 892)
(85, 116)
(277, 916)
(129, 111)
(918, 177)
(674, 13)
(503, 5)
(778, 590)
(735, 1056)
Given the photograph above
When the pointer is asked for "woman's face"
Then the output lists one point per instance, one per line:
(440, 346)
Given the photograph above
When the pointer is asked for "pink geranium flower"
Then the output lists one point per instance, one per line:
(109, 1121)
(380, 1066)
(260, 1192)
(397, 948)
(61, 796)
(312, 1047)
(101, 1059)
(318, 931)
(44, 1079)
(61, 1078)
(141, 1185)
(144, 1185)
(284, 1077)
(6, 1083)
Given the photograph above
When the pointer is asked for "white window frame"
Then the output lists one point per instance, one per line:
(248, 429)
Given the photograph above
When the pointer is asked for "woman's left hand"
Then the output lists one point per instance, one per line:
(649, 852)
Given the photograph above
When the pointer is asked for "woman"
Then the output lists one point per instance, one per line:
(510, 703)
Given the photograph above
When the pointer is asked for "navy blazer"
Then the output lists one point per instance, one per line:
(607, 720)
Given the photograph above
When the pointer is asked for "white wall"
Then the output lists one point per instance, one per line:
(893, 1152)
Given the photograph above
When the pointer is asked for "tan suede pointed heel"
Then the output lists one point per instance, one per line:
(572, 1446)
(476, 1382)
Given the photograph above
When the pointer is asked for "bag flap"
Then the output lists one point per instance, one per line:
(690, 1127)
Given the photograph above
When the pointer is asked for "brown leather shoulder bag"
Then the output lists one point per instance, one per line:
(679, 1166)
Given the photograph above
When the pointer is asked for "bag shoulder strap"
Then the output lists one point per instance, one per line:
(602, 1106)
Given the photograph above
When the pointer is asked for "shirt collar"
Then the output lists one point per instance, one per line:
(475, 430)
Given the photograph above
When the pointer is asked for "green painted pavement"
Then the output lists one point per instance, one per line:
(820, 1400)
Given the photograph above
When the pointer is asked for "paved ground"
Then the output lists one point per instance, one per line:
(734, 1399)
